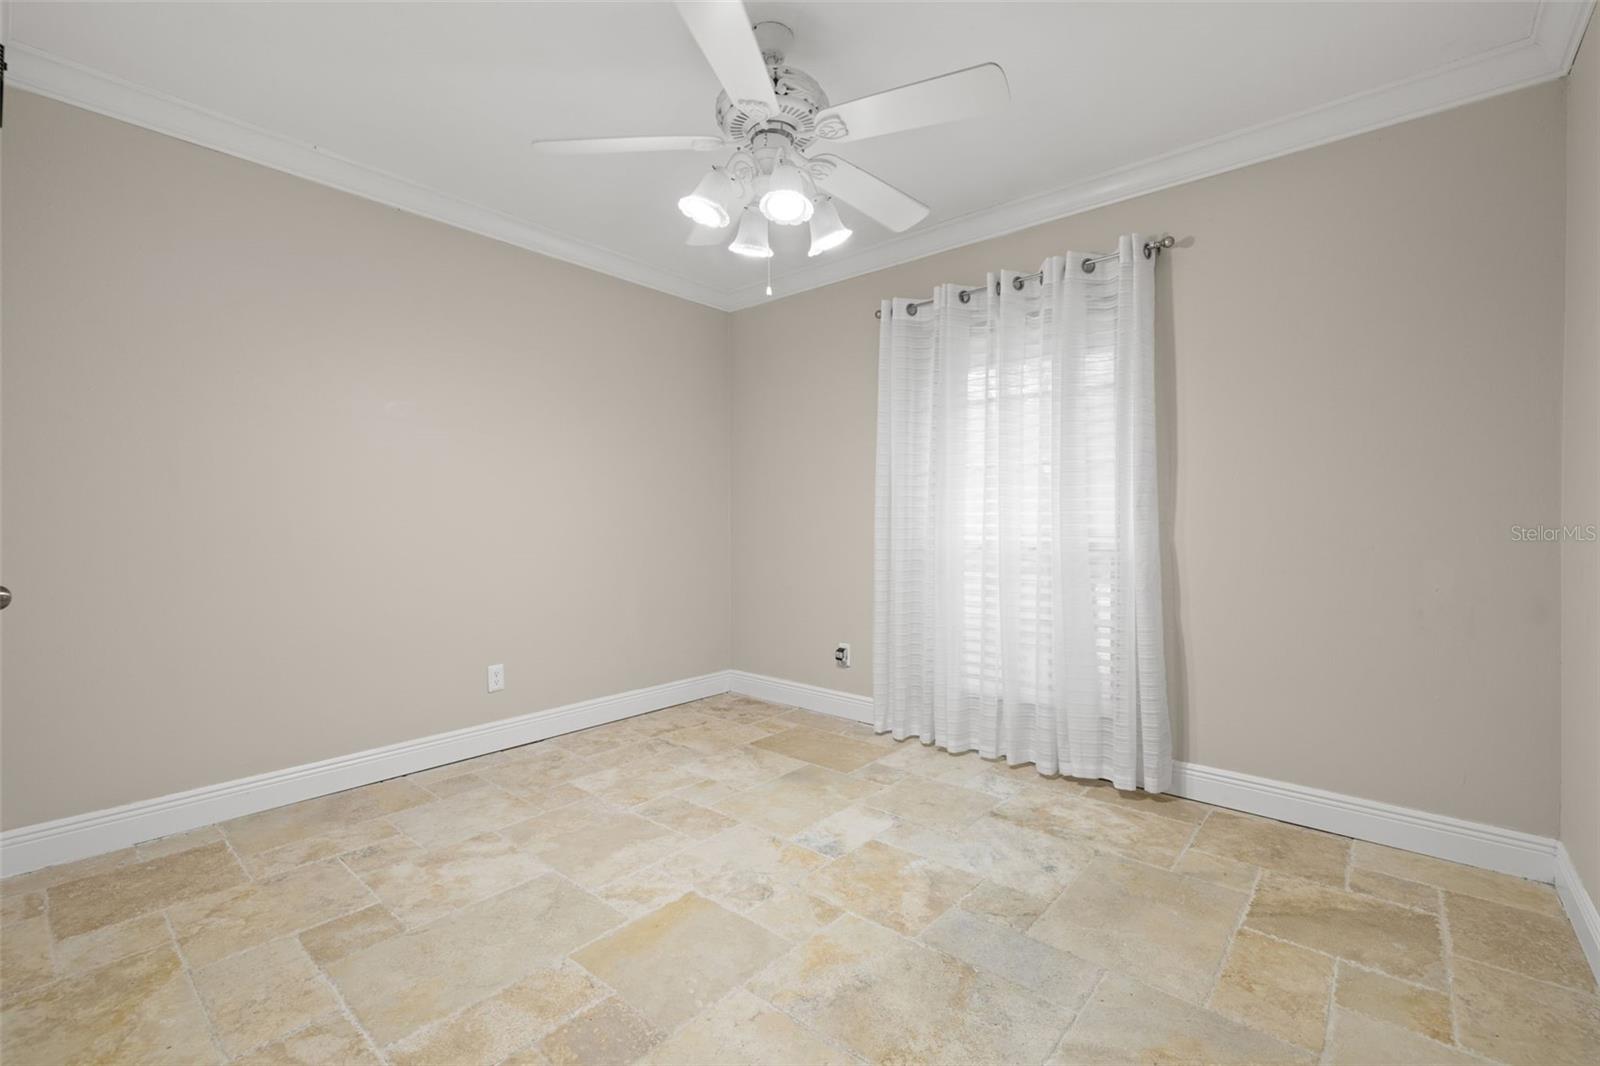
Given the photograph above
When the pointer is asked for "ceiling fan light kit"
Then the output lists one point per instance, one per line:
(713, 201)
(786, 201)
(751, 240)
(827, 231)
(772, 115)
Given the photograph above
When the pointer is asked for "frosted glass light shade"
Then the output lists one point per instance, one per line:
(710, 203)
(827, 231)
(786, 201)
(752, 237)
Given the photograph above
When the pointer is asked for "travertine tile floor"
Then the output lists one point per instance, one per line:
(731, 881)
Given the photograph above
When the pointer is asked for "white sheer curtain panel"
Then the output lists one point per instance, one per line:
(1018, 567)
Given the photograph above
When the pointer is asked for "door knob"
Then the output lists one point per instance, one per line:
(5, 597)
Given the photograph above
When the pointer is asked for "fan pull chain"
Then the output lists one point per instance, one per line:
(769, 275)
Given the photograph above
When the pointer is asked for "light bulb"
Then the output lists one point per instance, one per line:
(709, 204)
(786, 202)
(752, 238)
(827, 231)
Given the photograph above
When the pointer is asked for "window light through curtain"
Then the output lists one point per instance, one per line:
(1018, 581)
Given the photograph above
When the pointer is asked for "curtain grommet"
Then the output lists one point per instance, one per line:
(911, 309)
(1088, 266)
(1017, 283)
(965, 296)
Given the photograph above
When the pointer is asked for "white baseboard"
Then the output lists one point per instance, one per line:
(1443, 837)
(80, 836)
(1580, 907)
(797, 694)
(1439, 835)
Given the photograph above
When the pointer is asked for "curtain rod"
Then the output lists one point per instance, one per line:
(1152, 247)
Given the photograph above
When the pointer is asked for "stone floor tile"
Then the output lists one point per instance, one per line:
(642, 891)
(333, 842)
(830, 749)
(1401, 942)
(797, 799)
(20, 906)
(794, 914)
(995, 947)
(895, 888)
(1514, 1019)
(1164, 803)
(42, 879)
(1277, 846)
(398, 985)
(1129, 1022)
(607, 1033)
(1359, 1040)
(1454, 877)
(171, 845)
(742, 1030)
(1000, 851)
(1538, 945)
(1019, 910)
(890, 999)
(1422, 1010)
(1169, 929)
(676, 961)
(1104, 826)
(691, 819)
(107, 944)
(741, 867)
(1276, 987)
(338, 937)
(103, 899)
(492, 1029)
(631, 785)
(25, 956)
(329, 1041)
(224, 923)
(593, 842)
(138, 1009)
(729, 772)
(427, 884)
(541, 769)
(1412, 894)
(1216, 869)
(282, 825)
(934, 804)
(463, 815)
(845, 830)
(263, 994)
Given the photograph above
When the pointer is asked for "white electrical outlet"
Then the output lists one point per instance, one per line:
(497, 677)
(841, 656)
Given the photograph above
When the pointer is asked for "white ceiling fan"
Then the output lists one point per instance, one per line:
(774, 117)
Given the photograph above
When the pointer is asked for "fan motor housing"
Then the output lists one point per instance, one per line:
(799, 100)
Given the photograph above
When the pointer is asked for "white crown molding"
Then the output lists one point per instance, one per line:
(1473, 843)
(48, 75)
(1545, 54)
(80, 836)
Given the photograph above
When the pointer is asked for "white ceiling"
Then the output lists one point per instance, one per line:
(431, 106)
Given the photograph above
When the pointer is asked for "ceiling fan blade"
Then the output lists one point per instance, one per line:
(871, 196)
(722, 30)
(701, 236)
(947, 98)
(609, 145)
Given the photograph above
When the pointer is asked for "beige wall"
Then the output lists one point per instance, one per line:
(1360, 365)
(1580, 474)
(285, 470)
